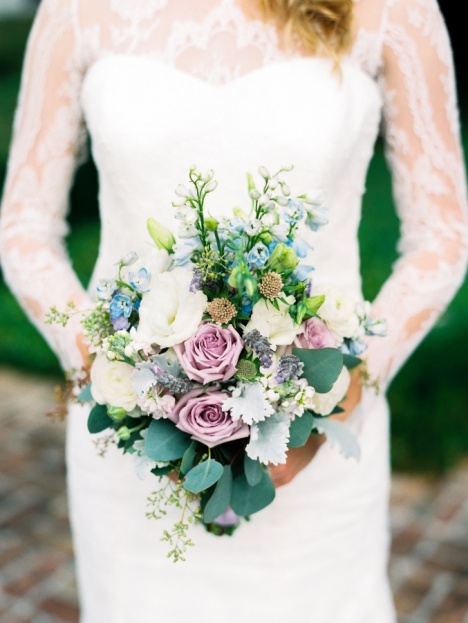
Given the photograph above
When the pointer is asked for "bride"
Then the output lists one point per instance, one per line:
(230, 85)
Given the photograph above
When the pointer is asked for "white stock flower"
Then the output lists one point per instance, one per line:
(111, 383)
(169, 312)
(338, 311)
(323, 404)
(276, 325)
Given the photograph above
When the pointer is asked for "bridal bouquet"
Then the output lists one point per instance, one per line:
(214, 354)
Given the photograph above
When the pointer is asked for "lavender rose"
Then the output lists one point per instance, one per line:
(211, 354)
(201, 415)
(317, 334)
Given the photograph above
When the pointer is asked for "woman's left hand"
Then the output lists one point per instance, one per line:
(298, 458)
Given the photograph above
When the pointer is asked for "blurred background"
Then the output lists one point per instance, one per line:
(428, 399)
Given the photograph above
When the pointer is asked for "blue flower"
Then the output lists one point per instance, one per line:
(235, 226)
(258, 256)
(247, 305)
(317, 217)
(121, 305)
(302, 272)
(353, 347)
(105, 289)
(183, 251)
(139, 280)
(293, 211)
(301, 247)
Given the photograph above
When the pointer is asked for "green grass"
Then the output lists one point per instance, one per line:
(428, 399)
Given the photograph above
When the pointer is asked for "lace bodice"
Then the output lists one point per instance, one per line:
(79, 50)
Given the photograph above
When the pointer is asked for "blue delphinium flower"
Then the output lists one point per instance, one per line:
(353, 347)
(247, 305)
(293, 211)
(302, 272)
(121, 305)
(105, 289)
(235, 226)
(120, 323)
(258, 255)
(301, 247)
(140, 279)
(317, 217)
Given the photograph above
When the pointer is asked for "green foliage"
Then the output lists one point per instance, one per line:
(165, 442)
(98, 420)
(300, 429)
(189, 458)
(321, 367)
(247, 500)
(203, 476)
(253, 471)
(219, 500)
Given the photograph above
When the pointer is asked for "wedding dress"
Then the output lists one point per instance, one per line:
(163, 85)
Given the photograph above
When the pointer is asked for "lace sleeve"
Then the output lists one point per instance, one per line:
(48, 134)
(423, 150)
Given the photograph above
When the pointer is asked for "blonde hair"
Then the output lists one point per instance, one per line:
(318, 25)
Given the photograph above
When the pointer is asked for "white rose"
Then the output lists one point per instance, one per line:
(169, 312)
(339, 312)
(323, 404)
(111, 383)
(276, 325)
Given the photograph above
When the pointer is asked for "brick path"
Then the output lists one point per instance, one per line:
(429, 566)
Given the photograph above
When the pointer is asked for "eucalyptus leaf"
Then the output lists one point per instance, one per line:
(247, 500)
(165, 442)
(350, 361)
(98, 420)
(85, 395)
(253, 471)
(188, 458)
(300, 430)
(161, 471)
(203, 476)
(220, 498)
(339, 433)
(321, 367)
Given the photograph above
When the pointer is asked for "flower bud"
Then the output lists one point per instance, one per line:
(182, 191)
(282, 201)
(161, 235)
(250, 285)
(273, 183)
(288, 167)
(211, 223)
(177, 203)
(129, 259)
(211, 186)
(285, 189)
(264, 172)
(116, 413)
(283, 258)
(254, 194)
(124, 433)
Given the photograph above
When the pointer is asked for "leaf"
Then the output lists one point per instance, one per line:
(161, 471)
(350, 361)
(300, 429)
(321, 367)
(253, 471)
(165, 442)
(269, 440)
(188, 458)
(336, 432)
(250, 405)
(203, 476)
(85, 395)
(247, 500)
(221, 497)
(98, 420)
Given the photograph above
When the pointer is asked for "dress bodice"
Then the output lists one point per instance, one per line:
(163, 85)
(149, 122)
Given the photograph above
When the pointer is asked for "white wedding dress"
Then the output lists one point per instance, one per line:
(161, 85)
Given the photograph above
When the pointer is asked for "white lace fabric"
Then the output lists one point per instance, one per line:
(402, 44)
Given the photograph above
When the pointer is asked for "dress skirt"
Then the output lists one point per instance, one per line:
(317, 554)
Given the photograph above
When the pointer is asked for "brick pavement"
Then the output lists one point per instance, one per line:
(429, 564)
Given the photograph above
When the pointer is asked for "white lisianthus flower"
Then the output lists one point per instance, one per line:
(111, 383)
(169, 312)
(323, 404)
(338, 311)
(276, 325)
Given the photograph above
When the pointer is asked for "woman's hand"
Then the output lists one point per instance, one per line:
(298, 458)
